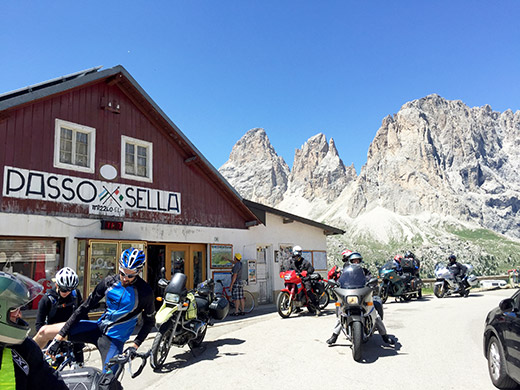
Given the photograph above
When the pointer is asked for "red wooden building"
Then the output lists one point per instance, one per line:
(90, 166)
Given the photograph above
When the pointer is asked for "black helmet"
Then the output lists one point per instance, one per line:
(355, 258)
(409, 255)
(452, 258)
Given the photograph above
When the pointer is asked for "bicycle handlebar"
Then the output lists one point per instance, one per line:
(124, 358)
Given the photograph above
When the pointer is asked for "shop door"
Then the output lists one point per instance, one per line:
(190, 259)
(262, 274)
(175, 260)
(196, 268)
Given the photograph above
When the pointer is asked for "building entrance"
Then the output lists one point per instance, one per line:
(190, 259)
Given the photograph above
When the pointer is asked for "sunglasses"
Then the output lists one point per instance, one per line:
(65, 290)
(128, 276)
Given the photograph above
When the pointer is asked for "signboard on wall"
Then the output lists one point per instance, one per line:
(102, 198)
(221, 255)
(319, 259)
(251, 271)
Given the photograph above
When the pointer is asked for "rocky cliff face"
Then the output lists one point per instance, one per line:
(255, 170)
(259, 174)
(434, 157)
(442, 157)
(318, 172)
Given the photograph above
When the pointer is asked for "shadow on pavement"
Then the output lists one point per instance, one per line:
(208, 351)
(374, 348)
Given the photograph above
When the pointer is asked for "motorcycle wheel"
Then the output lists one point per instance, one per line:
(196, 342)
(324, 300)
(161, 346)
(383, 294)
(285, 308)
(357, 340)
(407, 298)
(419, 294)
(439, 291)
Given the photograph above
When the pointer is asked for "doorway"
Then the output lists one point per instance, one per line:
(189, 259)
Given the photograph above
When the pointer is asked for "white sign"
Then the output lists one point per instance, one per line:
(101, 197)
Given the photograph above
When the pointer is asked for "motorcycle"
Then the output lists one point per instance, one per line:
(333, 274)
(403, 287)
(356, 310)
(294, 296)
(184, 316)
(446, 283)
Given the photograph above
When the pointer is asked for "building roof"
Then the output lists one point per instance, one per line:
(120, 76)
(260, 210)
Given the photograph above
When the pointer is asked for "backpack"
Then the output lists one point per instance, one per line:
(54, 303)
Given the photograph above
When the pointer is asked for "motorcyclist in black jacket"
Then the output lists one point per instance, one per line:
(356, 258)
(299, 264)
(457, 270)
(22, 366)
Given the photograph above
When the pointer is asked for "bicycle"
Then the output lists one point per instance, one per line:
(64, 358)
(92, 378)
(249, 303)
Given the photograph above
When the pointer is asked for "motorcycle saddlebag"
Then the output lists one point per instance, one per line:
(472, 280)
(83, 378)
(408, 265)
(219, 308)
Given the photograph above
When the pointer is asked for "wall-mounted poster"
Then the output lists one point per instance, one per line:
(221, 255)
(319, 259)
(251, 271)
(225, 277)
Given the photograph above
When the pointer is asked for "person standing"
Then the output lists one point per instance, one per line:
(56, 307)
(236, 286)
(22, 366)
(127, 296)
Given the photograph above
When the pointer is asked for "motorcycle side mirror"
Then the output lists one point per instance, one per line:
(372, 282)
(506, 305)
(333, 283)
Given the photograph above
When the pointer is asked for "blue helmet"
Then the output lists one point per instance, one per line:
(132, 258)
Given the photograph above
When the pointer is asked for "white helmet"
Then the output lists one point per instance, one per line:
(297, 250)
(66, 279)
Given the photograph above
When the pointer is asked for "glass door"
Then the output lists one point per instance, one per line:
(175, 260)
(197, 265)
(190, 259)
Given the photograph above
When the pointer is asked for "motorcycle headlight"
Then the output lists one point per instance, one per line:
(353, 300)
(172, 298)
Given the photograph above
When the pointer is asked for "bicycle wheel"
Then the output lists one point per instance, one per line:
(249, 304)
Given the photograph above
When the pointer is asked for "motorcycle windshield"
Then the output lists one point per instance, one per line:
(388, 265)
(352, 277)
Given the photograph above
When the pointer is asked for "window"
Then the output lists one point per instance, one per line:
(74, 146)
(136, 159)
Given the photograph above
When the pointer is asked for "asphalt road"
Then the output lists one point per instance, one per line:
(439, 346)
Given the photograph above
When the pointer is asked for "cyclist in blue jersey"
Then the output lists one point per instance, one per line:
(127, 296)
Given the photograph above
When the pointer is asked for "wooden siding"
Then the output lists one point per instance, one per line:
(27, 141)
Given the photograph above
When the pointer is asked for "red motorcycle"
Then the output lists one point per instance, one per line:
(294, 296)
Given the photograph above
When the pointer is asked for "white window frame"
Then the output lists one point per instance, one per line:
(149, 158)
(59, 123)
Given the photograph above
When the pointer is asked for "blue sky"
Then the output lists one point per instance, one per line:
(295, 68)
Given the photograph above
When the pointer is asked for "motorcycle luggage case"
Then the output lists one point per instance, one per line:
(472, 280)
(219, 308)
(408, 265)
